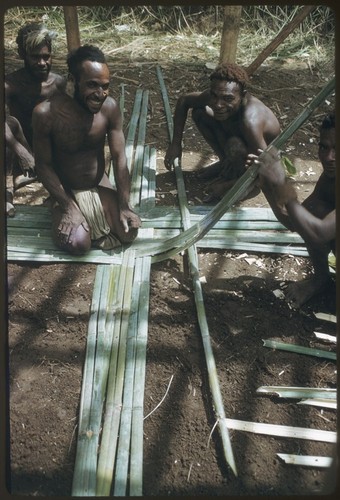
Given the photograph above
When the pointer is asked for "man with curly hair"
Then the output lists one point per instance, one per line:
(25, 88)
(69, 135)
(232, 121)
(314, 219)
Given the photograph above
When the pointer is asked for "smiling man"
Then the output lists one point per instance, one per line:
(28, 86)
(68, 139)
(232, 121)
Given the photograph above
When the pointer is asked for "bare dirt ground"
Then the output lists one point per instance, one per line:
(48, 312)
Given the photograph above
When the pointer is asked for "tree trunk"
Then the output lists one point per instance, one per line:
(231, 28)
(72, 28)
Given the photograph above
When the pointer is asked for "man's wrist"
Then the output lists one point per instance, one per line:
(284, 193)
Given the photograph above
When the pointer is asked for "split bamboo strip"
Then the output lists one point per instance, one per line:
(306, 460)
(129, 144)
(121, 107)
(130, 444)
(136, 457)
(282, 430)
(113, 405)
(299, 349)
(103, 346)
(246, 236)
(114, 401)
(124, 439)
(194, 233)
(85, 463)
(326, 317)
(198, 294)
(298, 392)
(324, 403)
(139, 152)
(327, 338)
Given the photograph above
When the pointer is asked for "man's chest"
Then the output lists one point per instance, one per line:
(74, 132)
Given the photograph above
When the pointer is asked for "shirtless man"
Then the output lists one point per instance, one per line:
(68, 140)
(314, 219)
(26, 87)
(232, 121)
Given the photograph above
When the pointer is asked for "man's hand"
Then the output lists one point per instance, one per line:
(174, 151)
(72, 218)
(271, 171)
(129, 219)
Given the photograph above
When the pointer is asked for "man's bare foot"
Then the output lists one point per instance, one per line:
(22, 181)
(210, 171)
(301, 291)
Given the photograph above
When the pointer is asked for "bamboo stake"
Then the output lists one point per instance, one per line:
(298, 392)
(324, 403)
(306, 460)
(202, 319)
(299, 349)
(282, 430)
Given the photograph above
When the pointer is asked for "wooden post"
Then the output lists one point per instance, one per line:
(231, 28)
(72, 28)
(300, 16)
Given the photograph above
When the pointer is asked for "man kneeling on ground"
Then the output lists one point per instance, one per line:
(69, 136)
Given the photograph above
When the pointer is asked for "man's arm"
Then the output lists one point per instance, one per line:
(42, 127)
(184, 103)
(282, 195)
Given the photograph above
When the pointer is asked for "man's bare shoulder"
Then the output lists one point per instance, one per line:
(54, 104)
(196, 99)
(16, 78)
(111, 109)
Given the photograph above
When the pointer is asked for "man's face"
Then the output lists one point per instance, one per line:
(38, 62)
(225, 98)
(92, 87)
(327, 151)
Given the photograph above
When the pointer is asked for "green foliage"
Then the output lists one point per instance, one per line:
(288, 165)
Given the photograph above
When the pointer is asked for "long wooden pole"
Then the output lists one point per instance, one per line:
(231, 28)
(300, 16)
(72, 27)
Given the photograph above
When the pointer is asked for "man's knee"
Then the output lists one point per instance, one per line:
(236, 147)
(78, 243)
(129, 237)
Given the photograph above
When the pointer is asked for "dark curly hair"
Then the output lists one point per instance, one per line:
(81, 54)
(231, 72)
(31, 36)
(328, 121)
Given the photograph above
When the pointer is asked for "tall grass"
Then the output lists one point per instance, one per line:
(189, 32)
